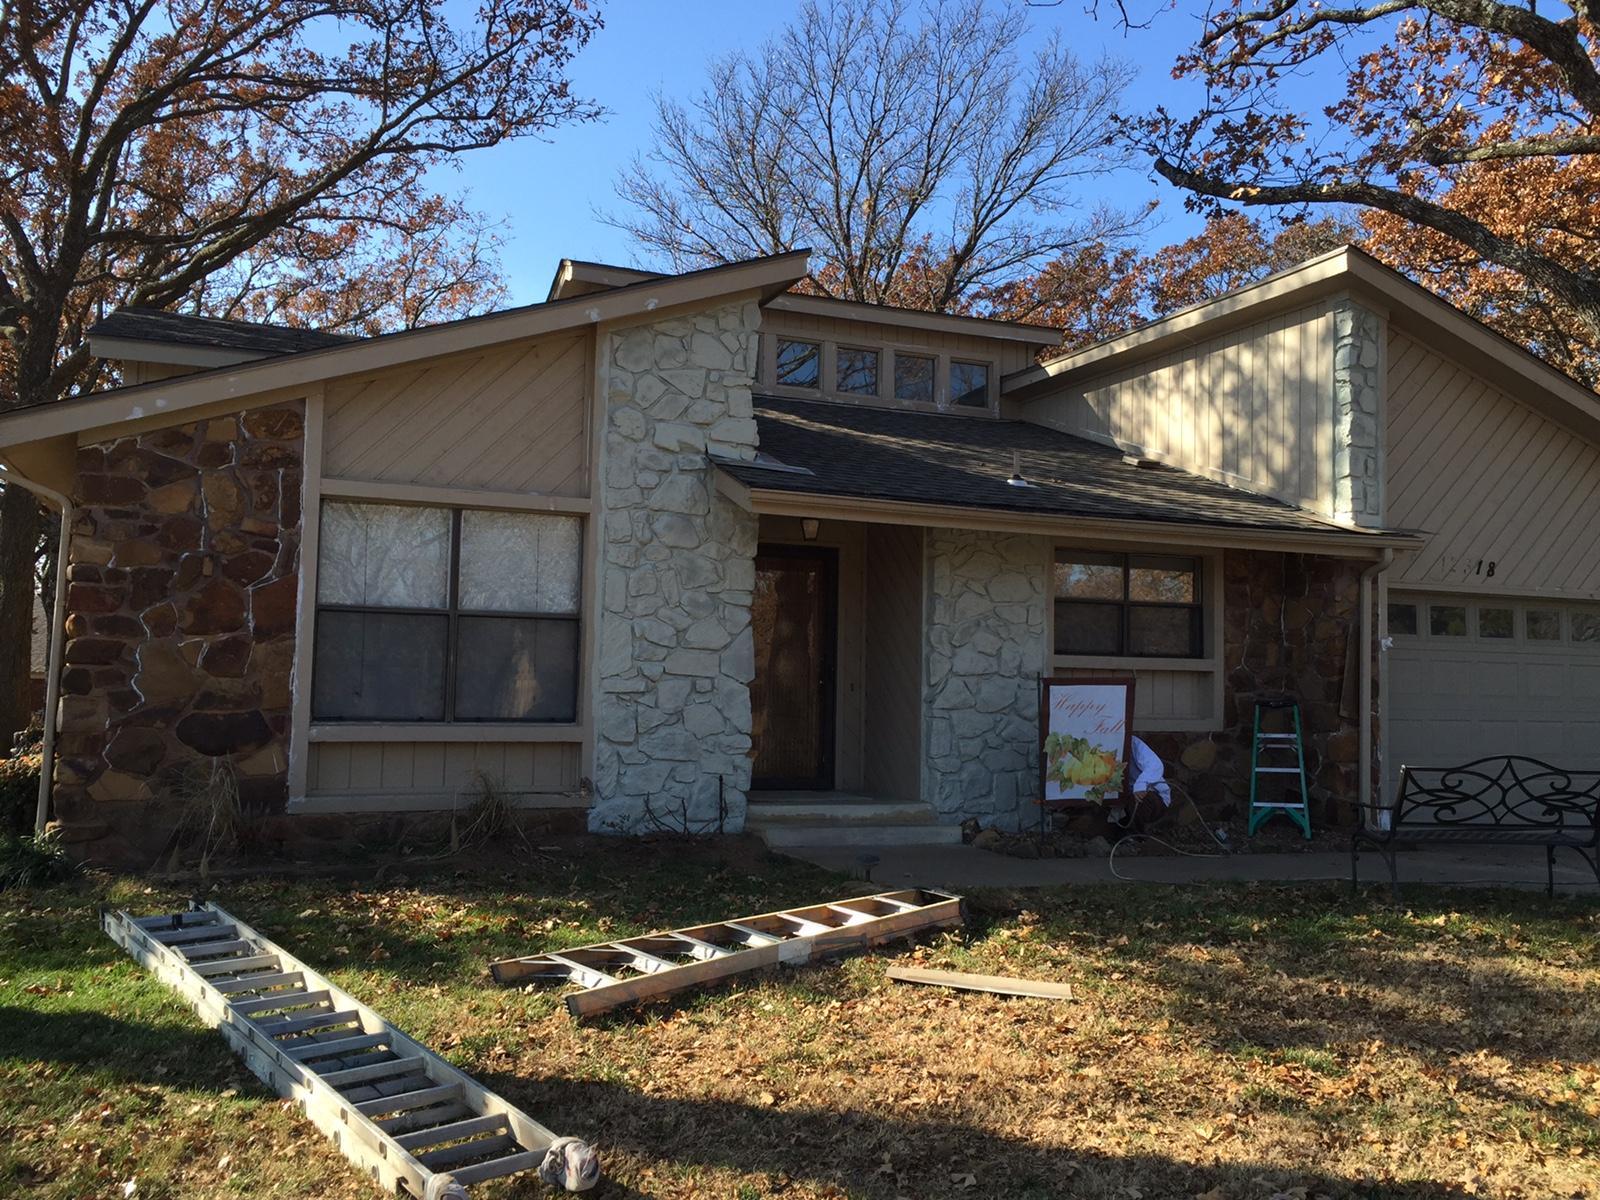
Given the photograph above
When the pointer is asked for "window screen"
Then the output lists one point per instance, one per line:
(436, 614)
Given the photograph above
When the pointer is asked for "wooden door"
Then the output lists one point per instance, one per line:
(794, 619)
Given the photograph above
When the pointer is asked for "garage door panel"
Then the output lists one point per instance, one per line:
(1452, 699)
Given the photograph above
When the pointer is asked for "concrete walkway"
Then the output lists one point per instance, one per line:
(959, 867)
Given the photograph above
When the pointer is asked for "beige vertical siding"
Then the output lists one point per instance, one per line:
(894, 639)
(1490, 480)
(1165, 700)
(415, 775)
(513, 418)
(1253, 407)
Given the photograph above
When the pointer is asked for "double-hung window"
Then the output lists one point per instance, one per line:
(446, 614)
(1128, 605)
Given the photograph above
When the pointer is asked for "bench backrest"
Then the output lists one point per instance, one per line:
(1504, 792)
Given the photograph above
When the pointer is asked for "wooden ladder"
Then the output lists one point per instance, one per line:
(631, 970)
(397, 1110)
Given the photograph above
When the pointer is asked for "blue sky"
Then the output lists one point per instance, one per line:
(547, 192)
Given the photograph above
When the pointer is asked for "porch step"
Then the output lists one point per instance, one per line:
(847, 821)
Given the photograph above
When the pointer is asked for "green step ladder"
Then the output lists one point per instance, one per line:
(1262, 810)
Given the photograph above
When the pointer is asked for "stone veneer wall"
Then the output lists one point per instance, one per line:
(987, 643)
(181, 621)
(675, 649)
(1290, 622)
(1358, 353)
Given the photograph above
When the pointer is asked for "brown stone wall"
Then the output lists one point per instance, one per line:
(1290, 621)
(180, 634)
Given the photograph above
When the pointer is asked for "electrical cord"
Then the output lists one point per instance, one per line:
(1111, 860)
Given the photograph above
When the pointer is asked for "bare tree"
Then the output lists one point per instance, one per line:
(916, 149)
(148, 147)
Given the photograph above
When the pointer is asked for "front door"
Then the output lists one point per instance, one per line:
(793, 617)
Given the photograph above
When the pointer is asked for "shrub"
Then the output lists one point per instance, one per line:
(30, 861)
(19, 791)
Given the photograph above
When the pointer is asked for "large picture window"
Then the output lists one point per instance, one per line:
(1128, 605)
(438, 614)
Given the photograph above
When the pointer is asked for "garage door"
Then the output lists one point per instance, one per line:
(1475, 676)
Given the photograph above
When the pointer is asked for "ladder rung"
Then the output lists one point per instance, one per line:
(194, 933)
(235, 966)
(582, 972)
(1277, 770)
(648, 963)
(422, 1118)
(334, 1047)
(322, 1020)
(496, 1167)
(707, 950)
(382, 1070)
(435, 1160)
(855, 914)
(806, 925)
(246, 1008)
(406, 1101)
(213, 950)
(450, 1131)
(1296, 805)
(1277, 737)
(175, 920)
(252, 983)
(755, 935)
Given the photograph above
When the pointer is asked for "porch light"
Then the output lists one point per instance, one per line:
(809, 527)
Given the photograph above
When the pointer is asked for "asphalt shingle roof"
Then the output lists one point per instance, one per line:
(964, 462)
(185, 329)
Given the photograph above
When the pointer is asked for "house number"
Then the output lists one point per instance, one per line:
(1489, 574)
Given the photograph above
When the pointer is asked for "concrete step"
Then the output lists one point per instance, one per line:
(854, 812)
(821, 834)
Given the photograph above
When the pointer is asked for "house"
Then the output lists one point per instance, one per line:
(697, 551)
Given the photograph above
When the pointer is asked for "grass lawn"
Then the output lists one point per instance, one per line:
(1225, 1042)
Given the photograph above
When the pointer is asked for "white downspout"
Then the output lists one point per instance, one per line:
(52, 686)
(1364, 709)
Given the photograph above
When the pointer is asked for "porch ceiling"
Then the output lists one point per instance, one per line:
(811, 448)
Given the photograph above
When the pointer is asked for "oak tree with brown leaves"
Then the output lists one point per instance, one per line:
(1468, 131)
(259, 158)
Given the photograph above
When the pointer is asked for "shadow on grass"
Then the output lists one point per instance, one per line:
(180, 1054)
(867, 1154)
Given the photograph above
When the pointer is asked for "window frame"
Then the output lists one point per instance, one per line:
(778, 343)
(453, 612)
(933, 377)
(1199, 608)
(989, 383)
(876, 352)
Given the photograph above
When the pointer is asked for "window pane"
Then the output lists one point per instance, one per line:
(913, 378)
(1447, 620)
(1544, 624)
(1402, 620)
(1163, 580)
(858, 371)
(1164, 632)
(384, 556)
(516, 669)
(799, 363)
(371, 666)
(1496, 623)
(1586, 625)
(1088, 628)
(969, 384)
(520, 562)
(1084, 575)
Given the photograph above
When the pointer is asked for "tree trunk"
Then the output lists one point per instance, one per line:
(19, 535)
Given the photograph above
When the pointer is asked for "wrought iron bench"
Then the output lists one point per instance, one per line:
(1505, 800)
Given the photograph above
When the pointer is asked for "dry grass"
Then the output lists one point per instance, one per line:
(1226, 1042)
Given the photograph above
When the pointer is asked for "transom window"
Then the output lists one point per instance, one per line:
(1448, 620)
(913, 378)
(1128, 605)
(856, 371)
(440, 614)
(969, 384)
(799, 363)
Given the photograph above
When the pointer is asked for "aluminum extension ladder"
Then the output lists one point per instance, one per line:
(1261, 744)
(401, 1113)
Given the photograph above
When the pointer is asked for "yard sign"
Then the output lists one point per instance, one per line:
(1086, 739)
